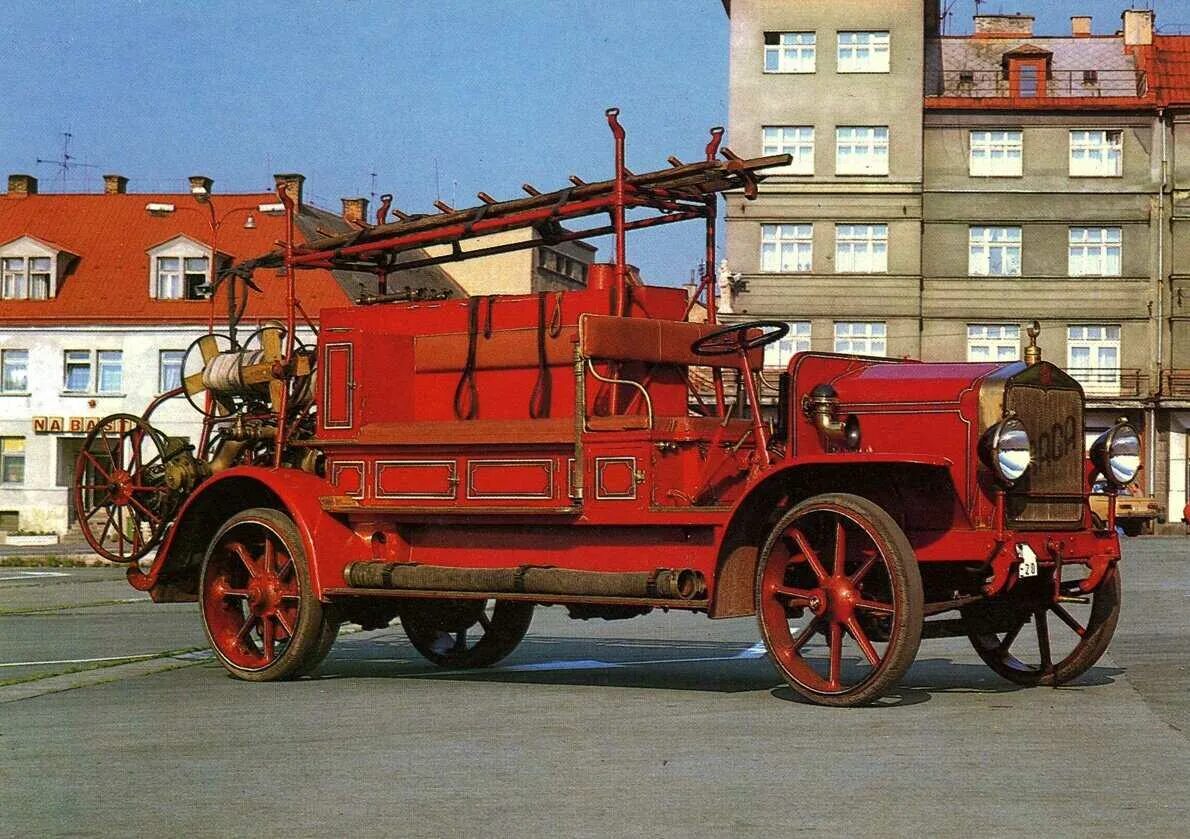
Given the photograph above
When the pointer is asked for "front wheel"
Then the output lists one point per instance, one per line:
(258, 604)
(1016, 641)
(839, 600)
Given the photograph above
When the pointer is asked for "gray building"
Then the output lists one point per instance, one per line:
(948, 190)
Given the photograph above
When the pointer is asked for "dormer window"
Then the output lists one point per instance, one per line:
(182, 277)
(28, 270)
(180, 269)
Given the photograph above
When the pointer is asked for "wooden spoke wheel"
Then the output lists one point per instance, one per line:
(465, 633)
(258, 604)
(1032, 640)
(119, 491)
(839, 600)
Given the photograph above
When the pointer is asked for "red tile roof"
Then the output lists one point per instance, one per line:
(1170, 59)
(111, 236)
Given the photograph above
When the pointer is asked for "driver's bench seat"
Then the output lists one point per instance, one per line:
(655, 354)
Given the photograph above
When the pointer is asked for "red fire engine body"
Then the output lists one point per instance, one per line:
(457, 462)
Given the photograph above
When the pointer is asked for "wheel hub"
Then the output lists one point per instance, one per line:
(120, 487)
(835, 600)
(264, 595)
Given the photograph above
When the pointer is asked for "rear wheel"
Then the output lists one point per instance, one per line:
(258, 604)
(839, 600)
(465, 633)
(1034, 641)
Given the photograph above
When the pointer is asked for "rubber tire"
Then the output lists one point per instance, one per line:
(322, 647)
(510, 622)
(312, 628)
(905, 577)
(1105, 606)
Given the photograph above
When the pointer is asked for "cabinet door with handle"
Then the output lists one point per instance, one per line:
(338, 385)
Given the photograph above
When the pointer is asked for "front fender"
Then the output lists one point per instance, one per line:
(329, 542)
(888, 479)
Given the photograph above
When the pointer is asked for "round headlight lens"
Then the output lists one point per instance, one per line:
(1117, 453)
(1006, 449)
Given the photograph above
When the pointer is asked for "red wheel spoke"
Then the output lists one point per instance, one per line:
(1043, 640)
(238, 593)
(875, 606)
(267, 637)
(802, 638)
(865, 644)
(107, 525)
(808, 553)
(246, 629)
(270, 555)
(95, 463)
(242, 554)
(151, 515)
(794, 593)
(285, 570)
(868, 565)
(1068, 619)
(840, 548)
(120, 528)
(284, 624)
(107, 445)
(836, 653)
(1011, 635)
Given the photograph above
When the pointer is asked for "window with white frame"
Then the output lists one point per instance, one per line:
(1096, 154)
(993, 342)
(101, 371)
(996, 154)
(861, 248)
(863, 52)
(180, 277)
(861, 338)
(1094, 252)
(778, 353)
(12, 460)
(994, 252)
(786, 247)
(14, 282)
(169, 370)
(39, 277)
(797, 141)
(168, 278)
(789, 52)
(861, 150)
(14, 371)
(1093, 356)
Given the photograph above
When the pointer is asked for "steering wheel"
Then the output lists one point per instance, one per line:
(734, 338)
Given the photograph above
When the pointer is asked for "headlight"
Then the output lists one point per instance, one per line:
(1117, 453)
(1005, 449)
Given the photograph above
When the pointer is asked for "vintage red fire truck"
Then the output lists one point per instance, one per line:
(458, 462)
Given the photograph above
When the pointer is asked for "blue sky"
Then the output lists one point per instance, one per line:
(487, 93)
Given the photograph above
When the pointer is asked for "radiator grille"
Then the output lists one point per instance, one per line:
(1051, 493)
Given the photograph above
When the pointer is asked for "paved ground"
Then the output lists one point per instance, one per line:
(662, 726)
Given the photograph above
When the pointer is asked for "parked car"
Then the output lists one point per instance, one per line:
(1135, 511)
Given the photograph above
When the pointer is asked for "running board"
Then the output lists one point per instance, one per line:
(543, 599)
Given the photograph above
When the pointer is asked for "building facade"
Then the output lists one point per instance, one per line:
(1043, 185)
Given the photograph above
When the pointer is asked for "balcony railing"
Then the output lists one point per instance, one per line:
(1058, 84)
(1125, 383)
(1177, 384)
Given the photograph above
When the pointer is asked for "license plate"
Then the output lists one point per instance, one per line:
(1028, 566)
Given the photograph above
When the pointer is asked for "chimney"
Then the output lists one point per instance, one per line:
(22, 185)
(355, 209)
(115, 184)
(292, 184)
(1004, 26)
(1138, 27)
(200, 187)
(1080, 26)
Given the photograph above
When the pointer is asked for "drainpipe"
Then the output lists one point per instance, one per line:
(1151, 419)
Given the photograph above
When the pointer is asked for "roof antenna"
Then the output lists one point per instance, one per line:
(67, 161)
(373, 193)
